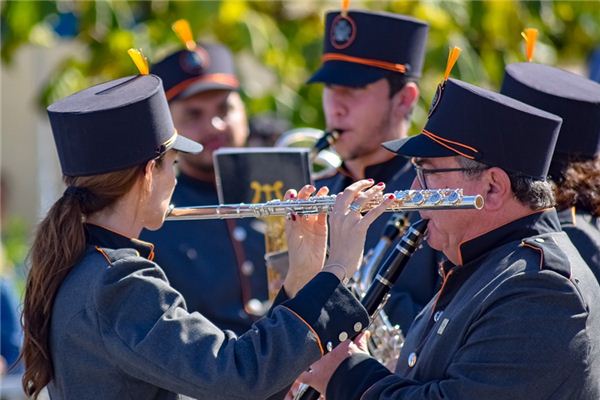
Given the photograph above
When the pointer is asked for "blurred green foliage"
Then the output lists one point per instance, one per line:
(278, 43)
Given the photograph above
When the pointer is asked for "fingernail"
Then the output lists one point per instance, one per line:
(292, 196)
(391, 197)
(381, 184)
(293, 217)
(370, 180)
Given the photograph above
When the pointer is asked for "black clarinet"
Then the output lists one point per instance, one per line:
(388, 274)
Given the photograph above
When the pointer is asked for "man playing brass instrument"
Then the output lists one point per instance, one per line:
(372, 62)
(202, 90)
(518, 313)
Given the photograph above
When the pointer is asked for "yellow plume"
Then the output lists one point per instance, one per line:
(530, 35)
(182, 28)
(452, 57)
(139, 60)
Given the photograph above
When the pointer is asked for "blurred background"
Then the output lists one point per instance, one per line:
(51, 49)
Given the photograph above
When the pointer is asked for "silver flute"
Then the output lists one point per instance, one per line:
(405, 200)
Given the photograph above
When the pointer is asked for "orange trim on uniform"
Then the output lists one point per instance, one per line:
(309, 327)
(225, 79)
(151, 245)
(101, 251)
(365, 61)
(439, 293)
(150, 256)
(523, 244)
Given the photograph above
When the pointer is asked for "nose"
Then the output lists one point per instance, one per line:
(333, 105)
(218, 123)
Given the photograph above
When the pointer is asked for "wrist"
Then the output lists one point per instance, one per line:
(338, 270)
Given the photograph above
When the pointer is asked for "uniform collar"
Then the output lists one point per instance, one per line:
(539, 222)
(99, 236)
(567, 216)
(383, 172)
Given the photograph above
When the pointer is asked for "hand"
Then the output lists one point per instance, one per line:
(319, 374)
(349, 227)
(307, 242)
(293, 392)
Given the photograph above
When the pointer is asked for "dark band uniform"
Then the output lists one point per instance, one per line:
(577, 101)
(519, 318)
(360, 49)
(118, 329)
(218, 266)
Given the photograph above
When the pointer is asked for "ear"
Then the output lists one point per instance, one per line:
(149, 175)
(404, 101)
(497, 188)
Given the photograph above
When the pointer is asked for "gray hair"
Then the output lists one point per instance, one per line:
(534, 193)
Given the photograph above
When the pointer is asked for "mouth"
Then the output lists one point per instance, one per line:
(214, 143)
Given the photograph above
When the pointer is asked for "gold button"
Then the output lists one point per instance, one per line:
(412, 359)
(343, 336)
(357, 327)
(329, 346)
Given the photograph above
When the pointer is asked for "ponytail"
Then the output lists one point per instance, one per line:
(59, 244)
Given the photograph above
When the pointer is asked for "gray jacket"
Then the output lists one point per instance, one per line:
(119, 331)
(520, 319)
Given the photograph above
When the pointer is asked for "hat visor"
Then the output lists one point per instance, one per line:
(346, 73)
(186, 145)
(418, 146)
(205, 86)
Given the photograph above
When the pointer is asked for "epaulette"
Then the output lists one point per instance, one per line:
(552, 257)
(113, 255)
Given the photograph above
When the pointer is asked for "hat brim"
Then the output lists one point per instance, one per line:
(186, 145)
(200, 87)
(345, 73)
(418, 146)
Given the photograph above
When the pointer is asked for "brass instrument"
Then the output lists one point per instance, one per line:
(405, 200)
(321, 156)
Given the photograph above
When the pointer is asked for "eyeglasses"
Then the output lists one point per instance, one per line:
(422, 172)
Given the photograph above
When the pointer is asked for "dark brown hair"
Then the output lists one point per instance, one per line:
(579, 186)
(58, 246)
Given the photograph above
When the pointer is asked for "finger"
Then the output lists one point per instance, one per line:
(372, 215)
(322, 217)
(306, 191)
(349, 194)
(373, 195)
(323, 191)
(361, 337)
(290, 194)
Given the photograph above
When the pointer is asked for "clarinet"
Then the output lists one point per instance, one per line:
(379, 291)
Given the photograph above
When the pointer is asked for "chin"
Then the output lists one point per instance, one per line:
(154, 226)
(432, 238)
